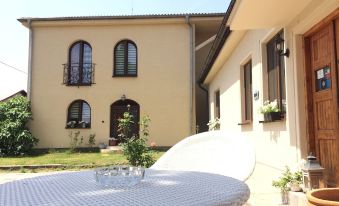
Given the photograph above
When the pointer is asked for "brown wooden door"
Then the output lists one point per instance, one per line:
(336, 36)
(118, 109)
(322, 73)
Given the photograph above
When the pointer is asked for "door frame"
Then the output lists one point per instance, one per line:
(310, 132)
(123, 103)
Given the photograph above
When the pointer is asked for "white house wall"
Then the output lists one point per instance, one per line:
(275, 145)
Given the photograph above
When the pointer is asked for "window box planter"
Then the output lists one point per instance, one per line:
(272, 116)
(324, 196)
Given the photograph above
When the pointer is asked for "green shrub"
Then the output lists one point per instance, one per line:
(15, 138)
(74, 140)
(135, 149)
(91, 140)
(125, 126)
(137, 153)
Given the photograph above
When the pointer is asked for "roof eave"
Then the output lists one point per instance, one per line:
(120, 17)
(222, 35)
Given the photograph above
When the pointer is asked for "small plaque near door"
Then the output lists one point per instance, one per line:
(323, 79)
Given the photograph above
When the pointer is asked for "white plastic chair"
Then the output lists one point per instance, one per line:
(218, 152)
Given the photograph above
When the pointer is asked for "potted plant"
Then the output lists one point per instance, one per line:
(288, 182)
(113, 141)
(296, 181)
(271, 111)
(283, 184)
(71, 124)
(82, 124)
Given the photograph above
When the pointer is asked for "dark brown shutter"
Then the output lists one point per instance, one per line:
(80, 64)
(74, 111)
(74, 71)
(132, 59)
(79, 111)
(86, 113)
(125, 56)
(120, 59)
(87, 64)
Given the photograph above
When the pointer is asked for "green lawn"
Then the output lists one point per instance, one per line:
(70, 160)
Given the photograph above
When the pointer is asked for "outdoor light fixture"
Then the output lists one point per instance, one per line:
(312, 173)
(279, 44)
(123, 97)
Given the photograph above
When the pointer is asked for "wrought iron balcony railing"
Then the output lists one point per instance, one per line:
(79, 74)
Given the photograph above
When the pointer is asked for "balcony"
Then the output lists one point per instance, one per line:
(78, 74)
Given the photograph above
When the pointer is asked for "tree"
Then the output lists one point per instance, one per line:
(15, 137)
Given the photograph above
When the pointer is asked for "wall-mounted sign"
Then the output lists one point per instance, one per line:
(323, 78)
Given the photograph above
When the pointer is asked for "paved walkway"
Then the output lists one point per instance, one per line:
(260, 183)
(262, 193)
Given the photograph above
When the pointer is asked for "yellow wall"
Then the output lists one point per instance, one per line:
(161, 88)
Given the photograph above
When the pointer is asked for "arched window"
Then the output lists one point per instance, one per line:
(80, 64)
(125, 59)
(118, 108)
(79, 115)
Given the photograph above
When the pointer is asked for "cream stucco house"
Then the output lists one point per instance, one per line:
(84, 71)
(282, 50)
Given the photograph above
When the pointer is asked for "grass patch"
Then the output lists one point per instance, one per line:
(79, 160)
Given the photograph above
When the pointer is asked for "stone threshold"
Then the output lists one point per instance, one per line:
(111, 149)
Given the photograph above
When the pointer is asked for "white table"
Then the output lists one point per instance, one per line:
(159, 187)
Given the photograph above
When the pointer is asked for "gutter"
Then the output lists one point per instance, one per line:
(222, 35)
(121, 17)
(30, 52)
(201, 86)
(191, 85)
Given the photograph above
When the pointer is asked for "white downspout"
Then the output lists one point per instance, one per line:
(192, 74)
(30, 51)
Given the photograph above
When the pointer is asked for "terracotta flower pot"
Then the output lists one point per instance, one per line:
(113, 142)
(323, 197)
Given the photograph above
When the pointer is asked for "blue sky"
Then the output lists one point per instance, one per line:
(14, 37)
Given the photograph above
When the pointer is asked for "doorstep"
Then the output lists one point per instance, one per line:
(297, 199)
(111, 149)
